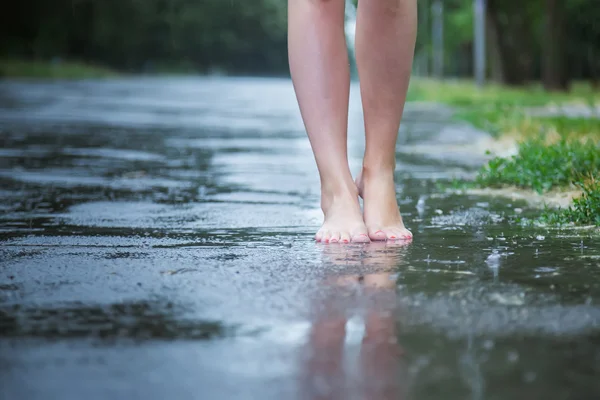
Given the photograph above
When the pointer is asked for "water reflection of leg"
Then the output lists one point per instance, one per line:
(370, 270)
(346, 263)
(324, 378)
(380, 354)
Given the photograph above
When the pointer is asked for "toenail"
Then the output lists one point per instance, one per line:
(378, 232)
(392, 237)
(345, 240)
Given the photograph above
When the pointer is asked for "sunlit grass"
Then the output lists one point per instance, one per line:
(464, 93)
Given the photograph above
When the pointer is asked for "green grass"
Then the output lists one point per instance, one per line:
(497, 109)
(46, 69)
(492, 119)
(463, 93)
(569, 127)
(542, 167)
(584, 211)
(554, 152)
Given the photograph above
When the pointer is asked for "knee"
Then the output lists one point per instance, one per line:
(330, 7)
(393, 8)
(323, 2)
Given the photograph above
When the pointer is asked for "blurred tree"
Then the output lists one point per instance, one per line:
(582, 25)
(527, 40)
(554, 73)
(232, 35)
(512, 24)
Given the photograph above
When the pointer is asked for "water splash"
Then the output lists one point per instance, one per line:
(421, 205)
(493, 262)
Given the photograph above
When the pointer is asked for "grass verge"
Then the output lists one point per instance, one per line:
(10, 68)
(555, 152)
(585, 209)
(542, 167)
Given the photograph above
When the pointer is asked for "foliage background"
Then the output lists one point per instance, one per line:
(526, 39)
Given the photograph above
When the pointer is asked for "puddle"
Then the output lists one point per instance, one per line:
(156, 240)
(137, 321)
(67, 179)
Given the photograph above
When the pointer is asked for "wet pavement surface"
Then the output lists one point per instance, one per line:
(156, 241)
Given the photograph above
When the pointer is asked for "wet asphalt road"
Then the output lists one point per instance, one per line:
(156, 242)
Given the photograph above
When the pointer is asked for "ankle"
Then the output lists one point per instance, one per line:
(378, 170)
(332, 193)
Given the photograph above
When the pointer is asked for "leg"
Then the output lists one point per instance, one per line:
(380, 354)
(323, 370)
(381, 359)
(385, 41)
(321, 75)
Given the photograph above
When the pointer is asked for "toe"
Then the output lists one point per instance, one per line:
(405, 234)
(392, 234)
(377, 234)
(361, 238)
(326, 237)
(399, 234)
(345, 237)
(335, 237)
(319, 236)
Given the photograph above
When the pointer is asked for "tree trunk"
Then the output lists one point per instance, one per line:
(512, 37)
(554, 76)
(497, 66)
(594, 64)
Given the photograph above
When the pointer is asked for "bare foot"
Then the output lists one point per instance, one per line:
(381, 212)
(343, 219)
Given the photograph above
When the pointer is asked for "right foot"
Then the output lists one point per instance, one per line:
(381, 213)
(343, 220)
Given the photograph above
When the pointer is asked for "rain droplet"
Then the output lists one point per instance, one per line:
(529, 376)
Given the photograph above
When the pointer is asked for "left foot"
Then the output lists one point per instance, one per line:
(381, 212)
